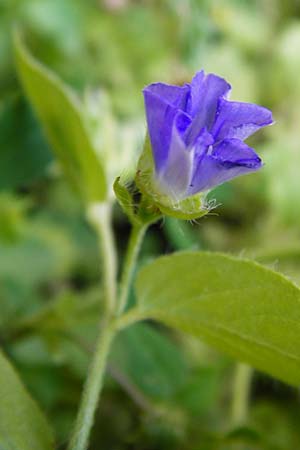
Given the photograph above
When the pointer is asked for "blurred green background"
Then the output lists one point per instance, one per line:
(163, 391)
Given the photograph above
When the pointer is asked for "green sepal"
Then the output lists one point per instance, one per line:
(187, 209)
(148, 211)
(134, 204)
(125, 199)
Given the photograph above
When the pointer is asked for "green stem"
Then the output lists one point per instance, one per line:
(241, 393)
(130, 317)
(99, 215)
(134, 245)
(92, 390)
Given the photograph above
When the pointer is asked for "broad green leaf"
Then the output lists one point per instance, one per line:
(284, 259)
(22, 425)
(235, 305)
(59, 112)
(150, 360)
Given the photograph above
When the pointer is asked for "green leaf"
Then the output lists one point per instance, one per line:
(285, 259)
(235, 305)
(59, 112)
(150, 360)
(22, 425)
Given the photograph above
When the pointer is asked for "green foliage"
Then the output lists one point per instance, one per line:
(237, 306)
(150, 360)
(69, 314)
(59, 111)
(24, 154)
(12, 212)
(40, 253)
(22, 425)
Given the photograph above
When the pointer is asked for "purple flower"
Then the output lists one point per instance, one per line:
(197, 134)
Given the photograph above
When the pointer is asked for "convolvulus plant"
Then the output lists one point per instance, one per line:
(195, 141)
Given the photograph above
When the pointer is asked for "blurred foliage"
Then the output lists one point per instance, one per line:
(50, 295)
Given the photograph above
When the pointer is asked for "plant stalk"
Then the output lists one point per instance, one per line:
(240, 394)
(134, 245)
(92, 389)
(99, 215)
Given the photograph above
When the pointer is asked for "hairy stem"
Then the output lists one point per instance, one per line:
(100, 217)
(99, 214)
(241, 393)
(130, 317)
(92, 390)
(134, 245)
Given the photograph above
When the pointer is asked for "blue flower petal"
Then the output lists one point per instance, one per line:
(162, 102)
(202, 106)
(176, 96)
(160, 117)
(174, 180)
(229, 159)
(239, 120)
(233, 152)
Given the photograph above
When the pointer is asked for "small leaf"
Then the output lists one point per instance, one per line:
(59, 112)
(125, 199)
(22, 425)
(235, 305)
